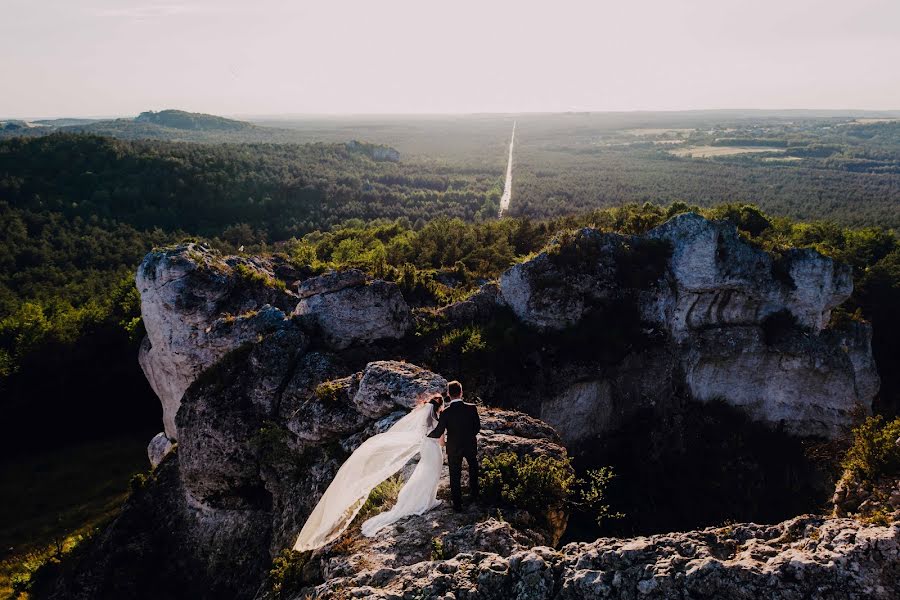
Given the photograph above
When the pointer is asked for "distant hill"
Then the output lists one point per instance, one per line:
(179, 119)
(170, 125)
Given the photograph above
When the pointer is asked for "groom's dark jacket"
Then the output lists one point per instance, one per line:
(460, 421)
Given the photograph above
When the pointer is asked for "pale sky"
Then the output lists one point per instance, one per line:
(233, 57)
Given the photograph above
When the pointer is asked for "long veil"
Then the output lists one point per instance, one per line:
(375, 460)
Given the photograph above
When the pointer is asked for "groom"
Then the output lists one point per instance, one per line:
(460, 420)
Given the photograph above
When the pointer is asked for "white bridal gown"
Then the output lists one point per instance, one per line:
(375, 460)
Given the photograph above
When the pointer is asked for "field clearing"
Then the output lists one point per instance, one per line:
(782, 159)
(712, 151)
(660, 131)
(873, 121)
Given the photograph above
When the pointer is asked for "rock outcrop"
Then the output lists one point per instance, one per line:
(262, 431)
(266, 391)
(806, 557)
(196, 308)
(740, 325)
(347, 312)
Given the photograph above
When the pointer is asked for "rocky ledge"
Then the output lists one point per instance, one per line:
(806, 557)
(268, 383)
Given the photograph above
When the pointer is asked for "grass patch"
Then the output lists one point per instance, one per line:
(253, 277)
(54, 500)
(329, 392)
(381, 497)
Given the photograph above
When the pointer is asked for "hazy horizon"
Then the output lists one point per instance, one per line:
(111, 58)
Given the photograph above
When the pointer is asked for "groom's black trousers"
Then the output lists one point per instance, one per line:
(455, 457)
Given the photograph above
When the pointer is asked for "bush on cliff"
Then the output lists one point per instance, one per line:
(875, 450)
(541, 483)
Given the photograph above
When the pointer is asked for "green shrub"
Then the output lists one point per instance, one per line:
(438, 549)
(592, 494)
(465, 340)
(40, 568)
(255, 278)
(286, 576)
(137, 483)
(329, 391)
(532, 483)
(271, 443)
(874, 452)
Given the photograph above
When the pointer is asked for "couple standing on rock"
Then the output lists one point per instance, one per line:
(424, 430)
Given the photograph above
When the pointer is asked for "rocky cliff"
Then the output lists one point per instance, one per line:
(268, 383)
(727, 321)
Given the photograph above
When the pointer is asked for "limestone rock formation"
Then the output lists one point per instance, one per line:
(159, 446)
(719, 279)
(266, 391)
(806, 557)
(196, 308)
(347, 311)
(740, 325)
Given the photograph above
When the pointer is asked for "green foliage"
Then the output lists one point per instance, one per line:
(466, 340)
(53, 498)
(252, 277)
(40, 568)
(745, 217)
(329, 391)
(532, 483)
(137, 483)
(438, 550)
(287, 575)
(592, 494)
(271, 442)
(540, 483)
(381, 497)
(875, 452)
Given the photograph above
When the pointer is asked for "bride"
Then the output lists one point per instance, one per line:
(375, 460)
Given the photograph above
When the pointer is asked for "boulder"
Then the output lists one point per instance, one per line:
(245, 477)
(158, 447)
(357, 314)
(334, 281)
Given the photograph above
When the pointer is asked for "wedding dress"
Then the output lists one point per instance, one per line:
(375, 460)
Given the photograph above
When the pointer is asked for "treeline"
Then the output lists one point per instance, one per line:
(548, 183)
(282, 189)
(79, 212)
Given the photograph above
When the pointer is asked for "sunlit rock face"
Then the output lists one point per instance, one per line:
(806, 557)
(738, 323)
(267, 390)
(717, 279)
(355, 314)
(196, 307)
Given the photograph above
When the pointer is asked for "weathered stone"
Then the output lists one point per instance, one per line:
(357, 315)
(719, 279)
(330, 282)
(742, 326)
(806, 557)
(196, 307)
(386, 385)
(158, 447)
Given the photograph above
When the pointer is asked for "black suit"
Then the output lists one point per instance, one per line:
(460, 421)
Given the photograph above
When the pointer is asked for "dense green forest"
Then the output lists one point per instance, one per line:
(80, 211)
